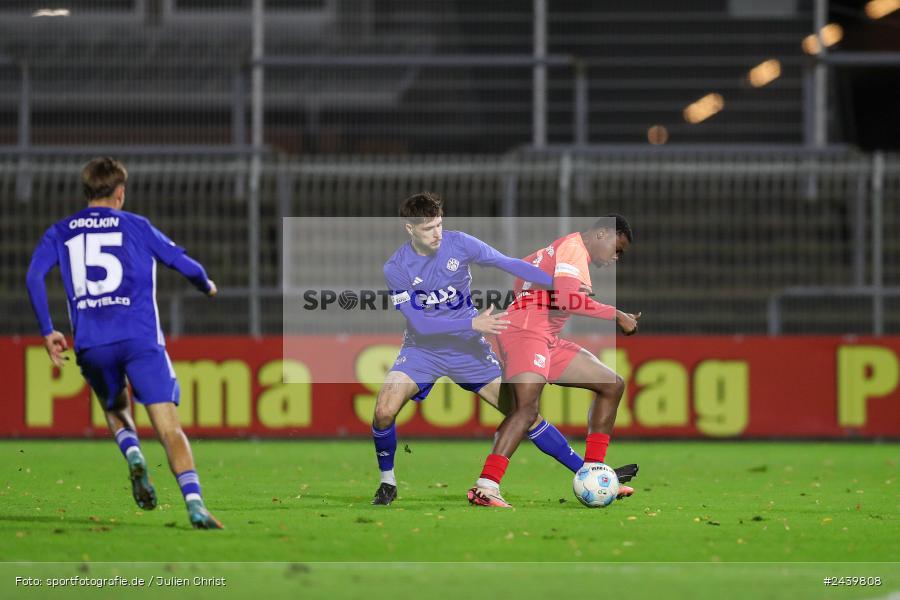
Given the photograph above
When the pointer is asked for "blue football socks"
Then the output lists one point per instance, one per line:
(550, 441)
(189, 482)
(127, 439)
(385, 449)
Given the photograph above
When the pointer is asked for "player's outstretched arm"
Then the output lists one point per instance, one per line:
(567, 296)
(195, 273)
(487, 256)
(174, 257)
(521, 269)
(485, 322)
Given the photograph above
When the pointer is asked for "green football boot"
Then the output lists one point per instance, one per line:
(141, 488)
(200, 517)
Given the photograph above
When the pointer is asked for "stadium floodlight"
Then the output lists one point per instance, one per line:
(764, 73)
(657, 135)
(703, 108)
(830, 34)
(876, 9)
(52, 12)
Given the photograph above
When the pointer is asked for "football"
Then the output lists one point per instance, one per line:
(595, 485)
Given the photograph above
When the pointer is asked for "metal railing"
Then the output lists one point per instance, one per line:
(876, 294)
(719, 234)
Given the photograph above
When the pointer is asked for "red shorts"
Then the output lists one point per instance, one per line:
(525, 352)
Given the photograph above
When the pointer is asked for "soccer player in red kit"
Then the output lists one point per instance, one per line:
(533, 353)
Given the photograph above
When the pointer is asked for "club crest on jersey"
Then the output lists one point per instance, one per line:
(540, 360)
(452, 264)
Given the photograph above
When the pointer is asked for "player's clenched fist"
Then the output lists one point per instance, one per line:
(486, 322)
(627, 322)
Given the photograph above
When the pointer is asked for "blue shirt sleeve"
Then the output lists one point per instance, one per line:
(161, 246)
(192, 271)
(401, 296)
(482, 254)
(42, 261)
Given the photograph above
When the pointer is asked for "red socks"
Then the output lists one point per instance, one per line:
(595, 450)
(495, 467)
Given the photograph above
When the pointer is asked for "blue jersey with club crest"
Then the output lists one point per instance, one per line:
(434, 291)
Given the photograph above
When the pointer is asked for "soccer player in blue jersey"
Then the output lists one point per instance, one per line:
(107, 258)
(429, 281)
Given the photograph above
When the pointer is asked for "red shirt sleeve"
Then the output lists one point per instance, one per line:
(569, 297)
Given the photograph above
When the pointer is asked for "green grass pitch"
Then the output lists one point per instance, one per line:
(757, 519)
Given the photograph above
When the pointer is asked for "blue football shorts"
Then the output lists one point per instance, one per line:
(471, 365)
(145, 363)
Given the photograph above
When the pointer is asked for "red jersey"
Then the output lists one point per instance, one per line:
(566, 257)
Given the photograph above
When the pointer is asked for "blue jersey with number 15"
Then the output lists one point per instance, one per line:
(108, 259)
